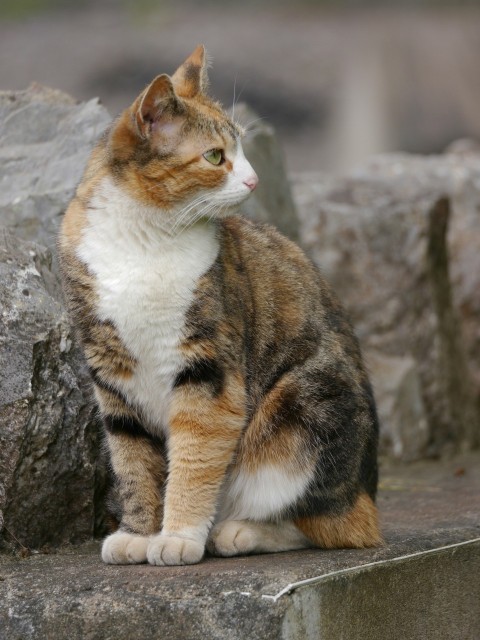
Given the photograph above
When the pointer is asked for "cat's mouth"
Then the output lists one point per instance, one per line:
(234, 198)
(215, 204)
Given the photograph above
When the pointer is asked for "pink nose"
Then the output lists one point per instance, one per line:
(251, 182)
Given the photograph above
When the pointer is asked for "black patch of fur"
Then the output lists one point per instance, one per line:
(369, 464)
(100, 382)
(125, 425)
(203, 371)
(203, 332)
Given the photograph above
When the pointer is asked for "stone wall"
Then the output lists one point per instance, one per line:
(399, 240)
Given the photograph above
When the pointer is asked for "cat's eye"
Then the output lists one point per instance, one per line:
(214, 156)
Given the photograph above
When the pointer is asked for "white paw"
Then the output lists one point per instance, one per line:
(125, 548)
(232, 538)
(171, 550)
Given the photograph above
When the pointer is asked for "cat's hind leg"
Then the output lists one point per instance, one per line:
(356, 528)
(239, 537)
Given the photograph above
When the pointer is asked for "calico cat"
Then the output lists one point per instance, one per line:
(237, 411)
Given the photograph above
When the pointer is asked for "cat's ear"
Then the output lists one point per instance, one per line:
(191, 77)
(157, 101)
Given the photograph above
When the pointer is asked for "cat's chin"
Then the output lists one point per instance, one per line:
(232, 197)
(228, 211)
(225, 213)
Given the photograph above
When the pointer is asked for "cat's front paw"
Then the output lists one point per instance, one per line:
(173, 550)
(125, 548)
(232, 538)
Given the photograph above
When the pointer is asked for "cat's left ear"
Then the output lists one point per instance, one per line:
(191, 77)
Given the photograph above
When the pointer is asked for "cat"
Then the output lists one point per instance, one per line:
(238, 413)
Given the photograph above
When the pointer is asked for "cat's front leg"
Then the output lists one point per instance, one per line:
(205, 425)
(139, 467)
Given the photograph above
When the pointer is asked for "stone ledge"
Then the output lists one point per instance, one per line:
(427, 595)
(422, 584)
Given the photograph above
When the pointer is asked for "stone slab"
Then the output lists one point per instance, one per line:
(422, 584)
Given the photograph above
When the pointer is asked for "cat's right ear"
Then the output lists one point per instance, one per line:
(157, 103)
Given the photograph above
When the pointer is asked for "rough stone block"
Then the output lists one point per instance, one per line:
(383, 237)
(46, 138)
(49, 440)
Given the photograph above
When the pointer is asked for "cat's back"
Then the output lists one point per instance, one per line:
(290, 312)
(263, 247)
(282, 281)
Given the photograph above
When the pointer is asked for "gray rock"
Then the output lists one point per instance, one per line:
(45, 141)
(401, 408)
(272, 200)
(383, 236)
(457, 174)
(50, 477)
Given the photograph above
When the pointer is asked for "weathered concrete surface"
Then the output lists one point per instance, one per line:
(431, 596)
(423, 584)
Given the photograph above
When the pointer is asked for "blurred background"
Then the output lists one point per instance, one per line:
(339, 80)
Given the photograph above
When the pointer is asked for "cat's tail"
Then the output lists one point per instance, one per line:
(356, 528)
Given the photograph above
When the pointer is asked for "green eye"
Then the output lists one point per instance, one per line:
(214, 156)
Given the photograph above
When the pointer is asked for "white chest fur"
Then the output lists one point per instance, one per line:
(145, 283)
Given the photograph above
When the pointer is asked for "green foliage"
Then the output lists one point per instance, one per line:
(19, 9)
(141, 9)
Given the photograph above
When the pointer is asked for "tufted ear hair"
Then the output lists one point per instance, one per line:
(191, 77)
(159, 99)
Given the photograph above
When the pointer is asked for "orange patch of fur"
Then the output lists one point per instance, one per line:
(165, 169)
(268, 441)
(106, 352)
(74, 222)
(75, 218)
(198, 349)
(357, 528)
(110, 404)
(196, 467)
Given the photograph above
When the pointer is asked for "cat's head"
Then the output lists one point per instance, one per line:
(177, 149)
